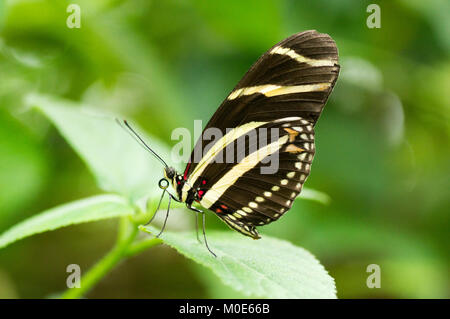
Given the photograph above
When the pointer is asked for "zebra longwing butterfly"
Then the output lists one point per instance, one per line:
(285, 89)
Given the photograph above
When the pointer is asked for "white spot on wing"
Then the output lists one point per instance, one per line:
(241, 212)
(302, 157)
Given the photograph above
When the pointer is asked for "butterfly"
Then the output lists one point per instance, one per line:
(285, 90)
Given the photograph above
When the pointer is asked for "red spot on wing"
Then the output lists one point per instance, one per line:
(186, 171)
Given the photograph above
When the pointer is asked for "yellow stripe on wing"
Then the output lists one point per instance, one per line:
(270, 90)
(300, 58)
(222, 143)
(249, 162)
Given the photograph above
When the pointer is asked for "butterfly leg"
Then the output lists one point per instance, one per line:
(196, 211)
(203, 226)
(196, 227)
(194, 208)
(174, 198)
(165, 220)
(159, 204)
(204, 236)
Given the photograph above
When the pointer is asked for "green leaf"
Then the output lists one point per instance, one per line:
(268, 268)
(118, 162)
(23, 169)
(81, 211)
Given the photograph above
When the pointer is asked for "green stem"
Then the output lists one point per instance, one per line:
(97, 272)
(141, 246)
(122, 249)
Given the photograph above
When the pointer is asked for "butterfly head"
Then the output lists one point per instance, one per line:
(176, 179)
(169, 173)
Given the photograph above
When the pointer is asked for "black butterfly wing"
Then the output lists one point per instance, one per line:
(285, 89)
(254, 198)
(306, 58)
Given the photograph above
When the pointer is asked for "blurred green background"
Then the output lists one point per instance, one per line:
(382, 141)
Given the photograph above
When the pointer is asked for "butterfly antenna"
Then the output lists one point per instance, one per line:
(140, 140)
(165, 220)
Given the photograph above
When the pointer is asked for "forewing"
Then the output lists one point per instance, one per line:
(293, 78)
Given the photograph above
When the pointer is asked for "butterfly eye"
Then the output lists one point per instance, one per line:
(163, 183)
